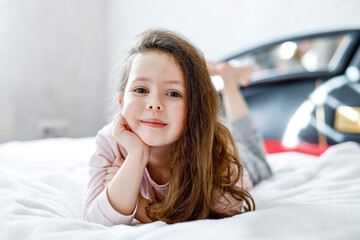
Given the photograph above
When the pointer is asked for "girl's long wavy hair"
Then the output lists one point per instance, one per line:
(205, 163)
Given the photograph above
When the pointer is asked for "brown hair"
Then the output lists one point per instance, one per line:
(205, 164)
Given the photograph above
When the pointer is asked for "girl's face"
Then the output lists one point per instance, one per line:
(153, 103)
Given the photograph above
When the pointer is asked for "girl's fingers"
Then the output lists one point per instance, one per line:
(121, 123)
(118, 162)
(106, 183)
(246, 72)
(109, 176)
(245, 82)
(113, 169)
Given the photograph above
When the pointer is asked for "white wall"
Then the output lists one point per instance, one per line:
(221, 27)
(56, 55)
(52, 68)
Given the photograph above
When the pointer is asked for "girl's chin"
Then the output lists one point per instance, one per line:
(153, 142)
(156, 140)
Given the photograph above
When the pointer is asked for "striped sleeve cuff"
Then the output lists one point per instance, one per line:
(110, 213)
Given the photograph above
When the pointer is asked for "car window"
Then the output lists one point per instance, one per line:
(307, 55)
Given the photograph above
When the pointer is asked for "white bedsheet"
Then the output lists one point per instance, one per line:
(43, 188)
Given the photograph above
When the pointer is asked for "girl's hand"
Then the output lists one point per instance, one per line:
(111, 171)
(140, 214)
(235, 75)
(126, 138)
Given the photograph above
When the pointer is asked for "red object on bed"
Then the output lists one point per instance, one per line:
(275, 146)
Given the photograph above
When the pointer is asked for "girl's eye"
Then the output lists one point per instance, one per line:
(174, 94)
(141, 90)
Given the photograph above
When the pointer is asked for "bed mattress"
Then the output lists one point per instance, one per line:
(43, 189)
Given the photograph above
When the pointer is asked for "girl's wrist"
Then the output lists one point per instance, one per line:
(143, 154)
(230, 86)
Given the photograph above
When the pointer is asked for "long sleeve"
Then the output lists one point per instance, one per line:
(251, 149)
(97, 207)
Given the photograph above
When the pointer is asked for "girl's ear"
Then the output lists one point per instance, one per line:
(121, 101)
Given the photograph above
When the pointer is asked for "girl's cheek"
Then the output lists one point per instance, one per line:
(131, 112)
(179, 117)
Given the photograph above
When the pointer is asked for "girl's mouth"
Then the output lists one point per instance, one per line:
(153, 122)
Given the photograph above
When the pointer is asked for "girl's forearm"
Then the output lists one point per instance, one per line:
(234, 102)
(212, 67)
(123, 190)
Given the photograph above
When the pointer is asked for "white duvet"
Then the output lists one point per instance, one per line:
(43, 188)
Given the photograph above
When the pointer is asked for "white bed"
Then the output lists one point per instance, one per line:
(43, 188)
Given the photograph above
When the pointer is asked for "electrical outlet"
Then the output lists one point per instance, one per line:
(52, 128)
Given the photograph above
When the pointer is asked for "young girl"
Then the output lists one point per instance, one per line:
(167, 156)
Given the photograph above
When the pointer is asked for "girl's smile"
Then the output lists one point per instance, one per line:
(153, 122)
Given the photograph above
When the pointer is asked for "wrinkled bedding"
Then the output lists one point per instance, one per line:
(43, 189)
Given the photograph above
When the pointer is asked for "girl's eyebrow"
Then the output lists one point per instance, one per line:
(169, 81)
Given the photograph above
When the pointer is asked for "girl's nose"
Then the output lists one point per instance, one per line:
(154, 102)
(155, 107)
